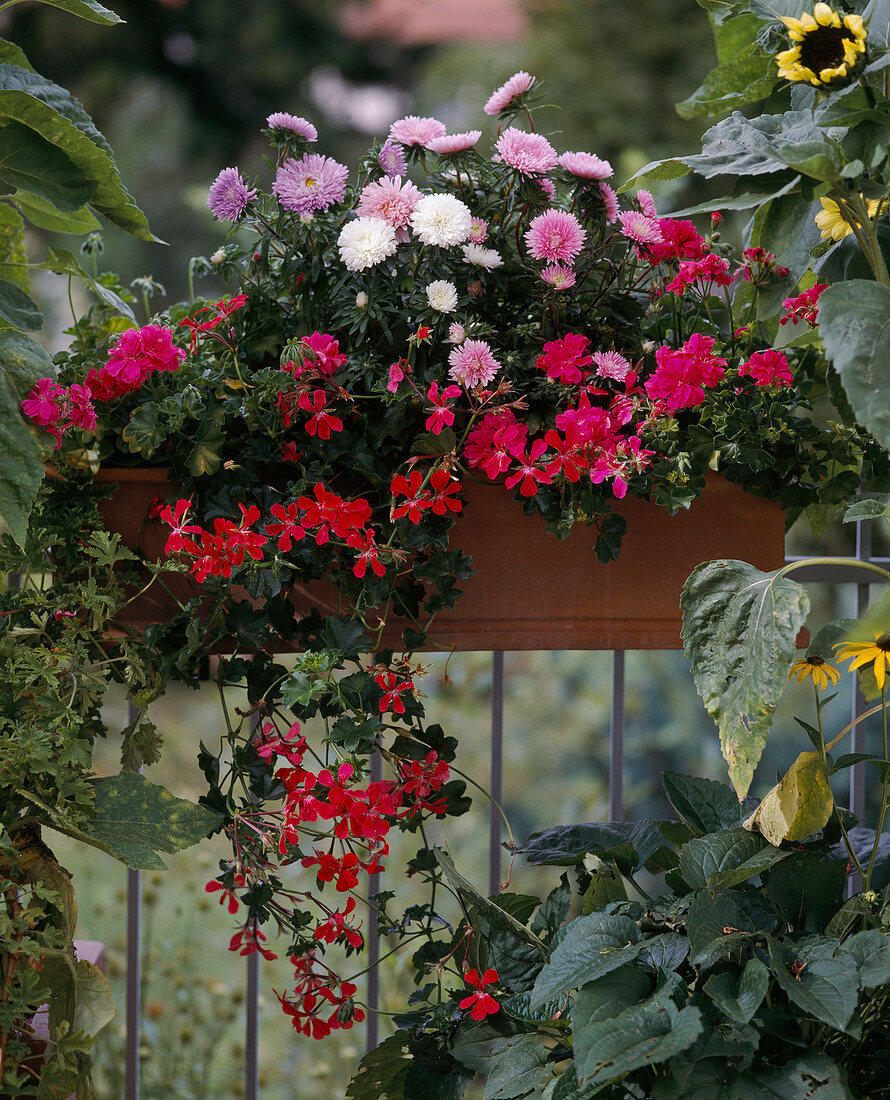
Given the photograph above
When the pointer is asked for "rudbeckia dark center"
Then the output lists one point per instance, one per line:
(816, 660)
(883, 643)
(823, 48)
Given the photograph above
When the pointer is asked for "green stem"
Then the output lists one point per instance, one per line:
(870, 566)
(885, 794)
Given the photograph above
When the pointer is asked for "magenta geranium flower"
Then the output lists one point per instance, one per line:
(499, 100)
(586, 166)
(43, 403)
(313, 183)
(413, 130)
(530, 154)
(555, 235)
(229, 195)
(768, 368)
(472, 364)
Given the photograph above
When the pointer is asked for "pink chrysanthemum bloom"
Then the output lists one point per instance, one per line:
(555, 235)
(391, 200)
(229, 195)
(647, 204)
(472, 364)
(454, 143)
(547, 186)
(456, 333)
(639, 228)
(559, 277)
(530, 154)
(478, 230)
(503, 97)
(313, 183)
(609, 364)
(586, 166)
(412, 130)
(281, 120)
(391, 159)
(610, 201)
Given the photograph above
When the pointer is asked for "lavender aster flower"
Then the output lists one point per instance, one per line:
(229, 195)
(313, 183)
(281, 120)
(391, 158)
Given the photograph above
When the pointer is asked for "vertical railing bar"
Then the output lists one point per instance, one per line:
(857, 744)
(134, 971)
(496, 779)
(616, 739)
(252, 996)
(372, 940)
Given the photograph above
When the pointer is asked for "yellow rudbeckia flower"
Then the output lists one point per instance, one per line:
(859, 654)
(826, 47)
(818, 669)
(832, 224)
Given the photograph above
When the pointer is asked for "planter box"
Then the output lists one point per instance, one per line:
(529, 591)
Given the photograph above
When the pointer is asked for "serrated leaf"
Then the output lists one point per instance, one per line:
(591, 947)
(703, 804)
(608, 996)
(665, 952)
(22, 456)
(739, 632)
(86, 9)
(798, 806)
(706, 856)
(382, 1072)
(719, 920)
(854, 322)
(807, 886)
(135, 819)
(640, 1036)
(566, 844)
(871, 950)
(95, 1004)
(812, 1078)
(739, 1002)
(822, 983)
(524, 1068)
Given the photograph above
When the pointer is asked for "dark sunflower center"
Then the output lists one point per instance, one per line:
(817, 661)
(822, 48)
(883, 643)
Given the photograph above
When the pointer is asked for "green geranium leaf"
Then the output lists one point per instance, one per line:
(739, 632)
(23, 454)
(30, 162)
(739, 1001)
(854, 321)
(591, 947)
(17, 309)
(798, 806)
(86, 9)
(640, 1036)
(816, 979)
(871, 950)
(703, 804)
(135, 819)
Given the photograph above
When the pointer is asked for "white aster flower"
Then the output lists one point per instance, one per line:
(441, 220)
(482, 257)
(442, 296)
(218, 256)
(361, 300)
(365, 242)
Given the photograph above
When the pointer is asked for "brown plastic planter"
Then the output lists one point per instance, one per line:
(529, 590)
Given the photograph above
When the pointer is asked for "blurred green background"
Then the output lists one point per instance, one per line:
(181, 91)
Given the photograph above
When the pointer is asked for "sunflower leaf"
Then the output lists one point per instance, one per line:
(798, 806)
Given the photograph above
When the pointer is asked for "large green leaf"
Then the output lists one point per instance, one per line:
(523, 1069)
(785, 226)
(630, 842)
(95, 1005)
(798, 806)
(745, 74)
(719, 920)
(31, 163)
(15, 78)
(43, 214)
(608, 996)
(135, 819)
(110, 198)
(814, 1077)
(739, 146)
(871, 950)
(591, 947)
(86, 9)
(22, 456)
(639, 1036)
(807, 888)
(706, 856)
(739, 1001)
(18, 309)
(739, 632)
(817, 979)
(13, 259)
(382, 1072)
(703, 804)
(854, 321)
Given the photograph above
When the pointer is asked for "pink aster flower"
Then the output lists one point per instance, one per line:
(455, 143)
(610, 201)
(229, 195)
(281, 120)
(558, 276)
(478, 230)
(647, 204)
(503, 97)
(391, 159)
(391, 200)
(639, 227)
(313, 183)
(609, 364)
(412, 130)
(530, 154)
(456, 333)
(586, 166)
(548, 188)
(472, 364)
(555, 235)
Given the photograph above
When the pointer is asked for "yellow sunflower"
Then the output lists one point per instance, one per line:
(825, 47)
(859, 654)
(816, 667)
(832, 224)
